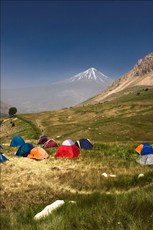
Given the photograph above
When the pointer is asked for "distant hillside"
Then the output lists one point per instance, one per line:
(140, 76)
(127, 118)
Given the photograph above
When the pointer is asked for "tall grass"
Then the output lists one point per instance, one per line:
(97, 211)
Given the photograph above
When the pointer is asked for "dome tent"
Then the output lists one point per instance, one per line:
(50, 143)
(146, 154)
(146, 159)
(38, 153)
(84, 143)
(24, 150)
(144, 149)
(2, 158)
(17, 141)
(67, 149)
(42, 140)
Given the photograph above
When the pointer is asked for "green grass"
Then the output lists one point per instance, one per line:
(97, 211)
(35, 132)
(121, 202)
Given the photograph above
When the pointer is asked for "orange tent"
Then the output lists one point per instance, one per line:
(38, 153)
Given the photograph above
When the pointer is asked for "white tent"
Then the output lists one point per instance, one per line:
(145, 159)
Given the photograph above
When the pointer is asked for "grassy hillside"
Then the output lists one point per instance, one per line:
(121, 201)
(128, 118)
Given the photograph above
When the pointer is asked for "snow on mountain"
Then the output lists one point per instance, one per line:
(91, 75)
(69, 92)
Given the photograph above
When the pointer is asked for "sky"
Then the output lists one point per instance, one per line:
(47, 41)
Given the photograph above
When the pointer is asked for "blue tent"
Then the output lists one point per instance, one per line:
(147, 149)
(2, 158)
(17, 141)
(84, 143)
(144, 149)
(24, 150)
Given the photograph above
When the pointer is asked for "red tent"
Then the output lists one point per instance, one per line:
(42, 140)
(50, 143)
(67, 149)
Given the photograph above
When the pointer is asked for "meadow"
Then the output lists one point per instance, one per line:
(121, 201)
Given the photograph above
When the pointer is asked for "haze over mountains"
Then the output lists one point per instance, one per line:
(58, 95)
(90, 86)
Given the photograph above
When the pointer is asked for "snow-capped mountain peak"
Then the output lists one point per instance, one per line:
(69, 92)
(91, 74)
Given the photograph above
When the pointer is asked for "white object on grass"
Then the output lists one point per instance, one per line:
(48, 209)
(140, 175)
(112, 175)
(104, 174)
(72, 202)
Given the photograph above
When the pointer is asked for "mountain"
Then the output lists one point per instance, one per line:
(58, 95)
(91, 75)
(140, 76)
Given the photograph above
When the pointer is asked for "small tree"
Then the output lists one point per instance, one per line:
(12, 111)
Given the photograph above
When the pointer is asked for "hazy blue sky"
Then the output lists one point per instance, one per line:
(47, 41)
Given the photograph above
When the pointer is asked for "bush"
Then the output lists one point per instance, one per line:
(12, 111)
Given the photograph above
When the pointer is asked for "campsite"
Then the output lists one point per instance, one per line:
(108, 187)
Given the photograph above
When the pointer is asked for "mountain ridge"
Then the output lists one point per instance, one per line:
(141, 75)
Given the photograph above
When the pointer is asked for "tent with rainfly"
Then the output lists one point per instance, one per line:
(144, 149)
(17, 141)
(38, 153)
(67, 149)
(84, 143)
(50, 143)
(24, 150)
(146, 154)
(145, 159)
(42, 140)
(2, 158)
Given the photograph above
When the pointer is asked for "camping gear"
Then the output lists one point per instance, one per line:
(84, 143)
(146, 159)
(50, 143)
(38, 153)
(17, 141)
(144, 149)
(24, 150)
(2, 158)
(42, 140)
(67, 149)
